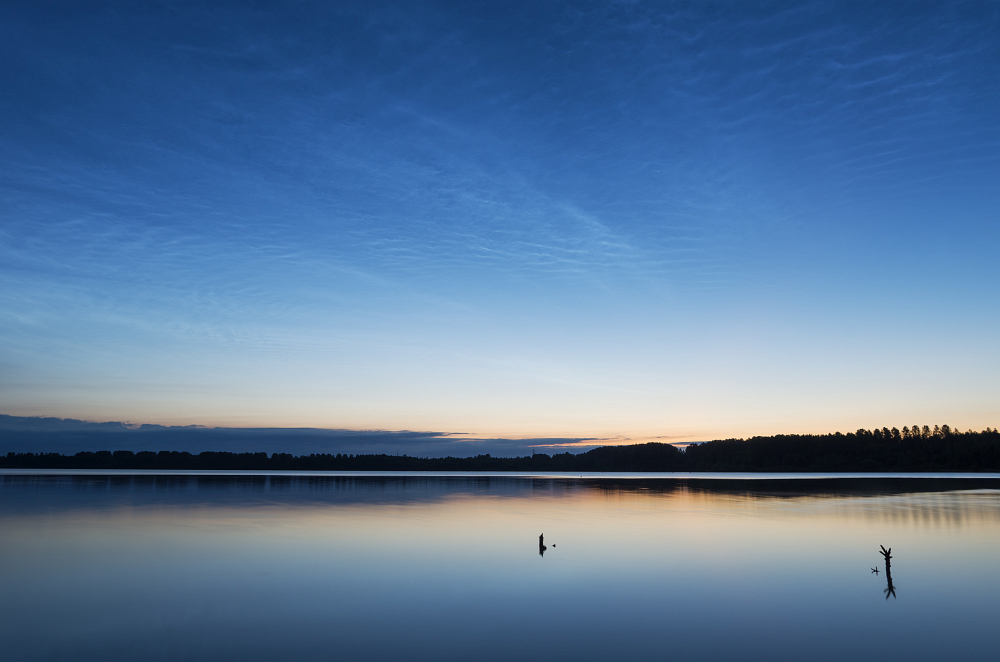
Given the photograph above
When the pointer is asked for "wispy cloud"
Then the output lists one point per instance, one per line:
(378, 187)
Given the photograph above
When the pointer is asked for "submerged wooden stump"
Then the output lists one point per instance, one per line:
(887, 555)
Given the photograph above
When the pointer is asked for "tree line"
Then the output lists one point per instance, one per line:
(913, 448)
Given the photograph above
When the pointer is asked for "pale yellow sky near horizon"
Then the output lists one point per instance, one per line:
(594, 436)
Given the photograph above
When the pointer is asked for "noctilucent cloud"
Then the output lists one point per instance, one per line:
(630, 220)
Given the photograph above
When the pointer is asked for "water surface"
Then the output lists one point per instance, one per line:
(361, 567)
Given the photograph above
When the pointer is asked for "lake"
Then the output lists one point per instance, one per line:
(228, 566)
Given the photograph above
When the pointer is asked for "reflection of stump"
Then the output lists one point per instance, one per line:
(887, 555)
(541, 545)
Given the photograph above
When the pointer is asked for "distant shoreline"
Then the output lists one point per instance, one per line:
(879, 451)
(589, 475)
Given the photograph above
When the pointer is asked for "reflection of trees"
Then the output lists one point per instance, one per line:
(887, 555)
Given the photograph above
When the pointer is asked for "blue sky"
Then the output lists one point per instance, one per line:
(614, 220)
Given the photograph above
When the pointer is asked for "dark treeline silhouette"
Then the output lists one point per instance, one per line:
(912, 449)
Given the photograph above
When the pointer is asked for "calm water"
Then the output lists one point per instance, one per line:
(181, 567)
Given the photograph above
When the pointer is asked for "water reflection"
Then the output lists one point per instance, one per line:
(934, 502)
(359, 567)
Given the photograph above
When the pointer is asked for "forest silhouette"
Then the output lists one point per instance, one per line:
(911, 449)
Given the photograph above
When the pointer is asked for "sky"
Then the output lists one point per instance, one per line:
(603, 220)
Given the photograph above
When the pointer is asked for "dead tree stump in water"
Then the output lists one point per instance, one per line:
(887, 555)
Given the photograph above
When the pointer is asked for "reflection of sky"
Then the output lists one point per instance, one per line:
(501, 219)
(449, 569)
